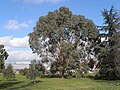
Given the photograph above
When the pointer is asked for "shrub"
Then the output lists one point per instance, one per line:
(9, 73)
(23, 71)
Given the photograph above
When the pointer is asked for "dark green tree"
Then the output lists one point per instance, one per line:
(9, 73)
(32, 73)
(3, 57)
(23, 71)
(110, 63)
(63, 38)
(36, 68)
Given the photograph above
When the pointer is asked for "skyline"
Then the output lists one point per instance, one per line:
(18, 18)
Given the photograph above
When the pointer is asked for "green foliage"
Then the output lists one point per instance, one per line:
(9, 73)
(111, 21)
(35, 69)
(110, 53)
(110, 66)
(3, 57)
(60, 35)
(23, 71)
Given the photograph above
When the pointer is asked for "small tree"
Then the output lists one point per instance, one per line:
(32, 71)
(23, 71)
(3, 57)
(9, 73)
(35, 69)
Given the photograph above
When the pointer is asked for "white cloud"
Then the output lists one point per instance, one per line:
(21, 56)
(11, 42)
(41, 1)
(15, 25)
(18, 49)
(5, 40)
(20, 59)
(19, 42)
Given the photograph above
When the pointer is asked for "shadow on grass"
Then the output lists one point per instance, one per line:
(99, 79)
(25, 85)
(8, 84)
(15, 85)
(109, 81)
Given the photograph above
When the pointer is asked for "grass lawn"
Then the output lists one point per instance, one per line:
(22, 83)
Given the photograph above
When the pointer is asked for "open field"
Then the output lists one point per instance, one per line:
(21, 83)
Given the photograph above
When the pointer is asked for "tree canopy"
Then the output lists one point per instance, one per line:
(9, 72)
(36, 68)
(110, 63)
(3, 57)
(64, 38)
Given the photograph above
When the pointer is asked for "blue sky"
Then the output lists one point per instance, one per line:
(22, 11)
(18, 17)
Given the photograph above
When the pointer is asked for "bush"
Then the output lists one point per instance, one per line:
(9, 73)
(23, 71)
(36, 68)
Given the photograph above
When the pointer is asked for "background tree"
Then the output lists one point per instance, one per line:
(32, 73)
(23, 71)
(35, 69)
(3, 57)
(110, 63)
(9, 73)
(64, 37)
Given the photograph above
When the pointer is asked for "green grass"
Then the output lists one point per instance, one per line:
(22, 83)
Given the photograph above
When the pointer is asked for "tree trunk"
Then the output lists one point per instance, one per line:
(62, 74)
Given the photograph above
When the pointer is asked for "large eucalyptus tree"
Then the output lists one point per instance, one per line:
(63, 38)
